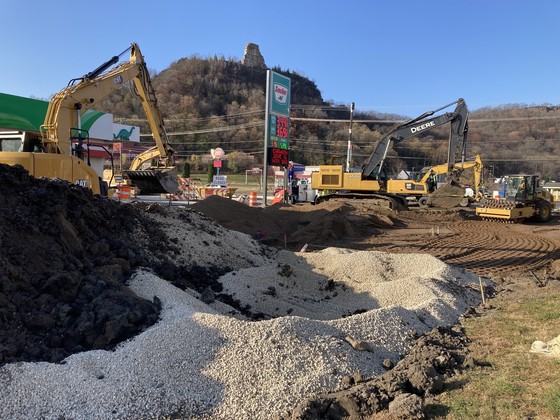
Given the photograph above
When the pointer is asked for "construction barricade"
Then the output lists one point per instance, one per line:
(124, 192)
(186, 191)
(253, 199)
(220, 191)
(278, 197)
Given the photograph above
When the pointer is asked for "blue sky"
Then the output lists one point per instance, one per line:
(402, 57)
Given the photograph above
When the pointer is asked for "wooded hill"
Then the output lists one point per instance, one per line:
(214, 102)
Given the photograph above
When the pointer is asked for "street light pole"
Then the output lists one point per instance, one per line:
(349, 151)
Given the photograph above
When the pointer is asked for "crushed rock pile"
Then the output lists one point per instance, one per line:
(189, 292)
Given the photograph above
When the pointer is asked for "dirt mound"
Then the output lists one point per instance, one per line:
(292, 226)
(66, 255)
(240, 217)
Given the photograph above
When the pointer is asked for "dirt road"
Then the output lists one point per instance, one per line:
(486, 248)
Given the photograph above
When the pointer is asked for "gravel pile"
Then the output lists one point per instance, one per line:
(325, 315)
(148, 311)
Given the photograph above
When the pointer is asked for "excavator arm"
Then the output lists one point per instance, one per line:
(458, 134)
(476, 164)
(427, 181)
(332, 181)
(65, 108)
(477, 177)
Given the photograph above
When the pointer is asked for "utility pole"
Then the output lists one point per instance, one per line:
(349, 151)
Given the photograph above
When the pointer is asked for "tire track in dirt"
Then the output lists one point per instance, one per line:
(488, 248)
(456, 237)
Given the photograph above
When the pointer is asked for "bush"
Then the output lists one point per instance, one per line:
(186, 173)
(210, 172)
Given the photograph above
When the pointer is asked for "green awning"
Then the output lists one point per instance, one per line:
(18, 113)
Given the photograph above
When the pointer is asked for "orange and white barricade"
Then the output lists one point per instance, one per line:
(253, 199)
(278, 197)
(185, 191)
(124, 192)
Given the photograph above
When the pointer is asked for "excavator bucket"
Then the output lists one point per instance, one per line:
(447, 196)
(154, 181)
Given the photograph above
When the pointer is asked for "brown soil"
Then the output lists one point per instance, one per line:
(455, 236)
(66, 255)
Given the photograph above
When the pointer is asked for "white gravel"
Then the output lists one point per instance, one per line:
(199, 363)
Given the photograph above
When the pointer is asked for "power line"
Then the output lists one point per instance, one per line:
(260, 123)
(213, 130)
(320, 108)
(199, 119)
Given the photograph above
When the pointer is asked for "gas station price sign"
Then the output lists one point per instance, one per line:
(278, 141)
(279, 131)
(278, 157)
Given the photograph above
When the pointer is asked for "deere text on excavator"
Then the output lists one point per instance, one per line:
(60, 151)
(331, 181)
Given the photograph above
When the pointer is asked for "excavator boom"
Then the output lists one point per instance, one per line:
(65, 108)
(458, 133)
(333, 181)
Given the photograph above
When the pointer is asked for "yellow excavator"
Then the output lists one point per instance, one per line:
(429, 178)
(333, 182)
(60, 151)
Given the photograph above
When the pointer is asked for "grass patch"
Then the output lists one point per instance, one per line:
(518, 383)
(551, 399)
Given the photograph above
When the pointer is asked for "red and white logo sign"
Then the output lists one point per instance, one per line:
(217, 153)
(280, 93)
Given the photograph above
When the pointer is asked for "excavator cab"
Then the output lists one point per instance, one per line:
(419, 175)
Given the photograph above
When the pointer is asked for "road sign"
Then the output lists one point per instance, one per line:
(217, 153)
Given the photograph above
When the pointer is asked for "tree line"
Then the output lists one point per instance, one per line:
(211, 102)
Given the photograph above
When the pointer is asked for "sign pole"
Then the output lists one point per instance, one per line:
(217, 155)
(266, 135)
